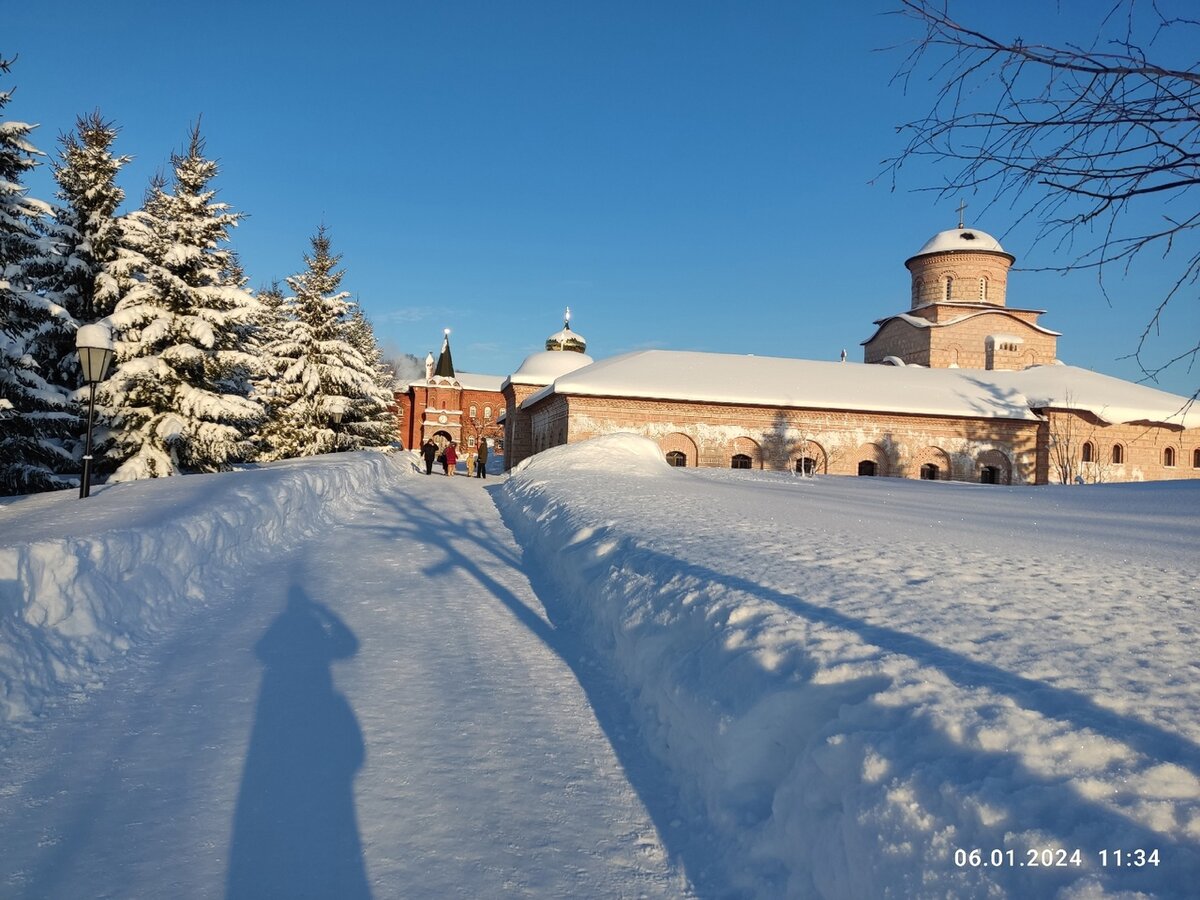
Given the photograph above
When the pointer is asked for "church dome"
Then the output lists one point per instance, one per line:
(542, 368)
(566, 339)
(962, 239)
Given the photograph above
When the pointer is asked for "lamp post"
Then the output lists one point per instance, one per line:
(95, 347)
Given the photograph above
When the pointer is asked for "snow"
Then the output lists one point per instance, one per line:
(771, 381)
(961, 239)
(543, 367)
(600, 676)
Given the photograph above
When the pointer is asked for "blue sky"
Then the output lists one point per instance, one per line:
(682, 175)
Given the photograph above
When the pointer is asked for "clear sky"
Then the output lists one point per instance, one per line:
(683, 175)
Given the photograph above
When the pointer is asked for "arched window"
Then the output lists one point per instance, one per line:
(677, 458)
(918, 289)
(866, 467)
(740, 461)
(806, 465)
(470, 440)
(1118, 454)
(1196, 458)
(1169, 457)
(487, 412)
(474, 412)
(949, 285)
(1089, 452)
(929, 472)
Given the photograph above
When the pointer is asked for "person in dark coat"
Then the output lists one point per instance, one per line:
(481, 463)
(428, 453)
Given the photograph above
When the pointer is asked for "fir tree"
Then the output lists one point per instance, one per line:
(371, 418)
(270, 390)
(180, 395)
(323, 373)
(35, 419)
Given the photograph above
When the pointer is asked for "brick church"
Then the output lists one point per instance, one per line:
(959, 386)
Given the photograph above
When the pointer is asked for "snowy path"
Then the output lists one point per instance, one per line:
(384, 710)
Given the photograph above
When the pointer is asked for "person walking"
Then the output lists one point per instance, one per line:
(471, 459)
(429, 453)
(451, 455)
(481, 462)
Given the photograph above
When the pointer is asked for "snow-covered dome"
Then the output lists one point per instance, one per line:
(961, 239)
(542, 368)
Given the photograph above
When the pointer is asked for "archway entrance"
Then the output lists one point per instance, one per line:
(930, 472)
(867, 467)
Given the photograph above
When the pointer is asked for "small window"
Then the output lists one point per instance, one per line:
(1169, 457)
(929, 472)
(1196, 458)
(867, 467)
(470, 440)
(949, 285)
(487, 412)
(1089, 452)
(983, 289)
(740, 461)
(474, 411)
(677, 458)
(1118, 454)
(806, 465)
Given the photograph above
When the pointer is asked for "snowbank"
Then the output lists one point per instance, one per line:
(877, 688)
(83, 580)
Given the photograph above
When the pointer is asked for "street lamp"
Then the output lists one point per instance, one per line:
(95, 347)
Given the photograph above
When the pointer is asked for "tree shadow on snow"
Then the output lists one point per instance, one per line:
(650, 779)
(295, 830)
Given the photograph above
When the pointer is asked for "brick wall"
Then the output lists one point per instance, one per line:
(776, 438)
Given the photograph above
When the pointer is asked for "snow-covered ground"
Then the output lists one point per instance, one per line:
(599, 677)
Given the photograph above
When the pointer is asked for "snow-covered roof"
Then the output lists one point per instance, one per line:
(919, 322)
(543, 367)
(771, 381)
(961, 239)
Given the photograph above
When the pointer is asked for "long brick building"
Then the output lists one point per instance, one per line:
(959, 386)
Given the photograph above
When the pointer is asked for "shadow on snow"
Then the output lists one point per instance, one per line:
(295, 830)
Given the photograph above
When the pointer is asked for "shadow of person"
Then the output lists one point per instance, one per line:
(295, 830)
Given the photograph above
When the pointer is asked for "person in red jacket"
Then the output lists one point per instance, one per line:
(451, 458)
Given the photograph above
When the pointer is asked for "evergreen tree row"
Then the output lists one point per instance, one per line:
(207, 373)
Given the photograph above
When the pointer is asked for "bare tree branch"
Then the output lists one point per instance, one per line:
(1079, 138)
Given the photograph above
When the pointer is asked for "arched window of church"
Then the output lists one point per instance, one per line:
(949, 285)
(740, 461)
(983, 289)
(1196, 458)
(677, 458)
(1118, 454)
(918, 287)
(929, 472)
(471, 440)
(474, 411)
(1089, 452)
(1169, 457)
(487, 412)
(866, 467)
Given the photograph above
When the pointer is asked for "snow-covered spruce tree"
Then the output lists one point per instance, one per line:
(276, 435)
(324, 374)
(180, 396)
(35, 417)
(371, 419)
